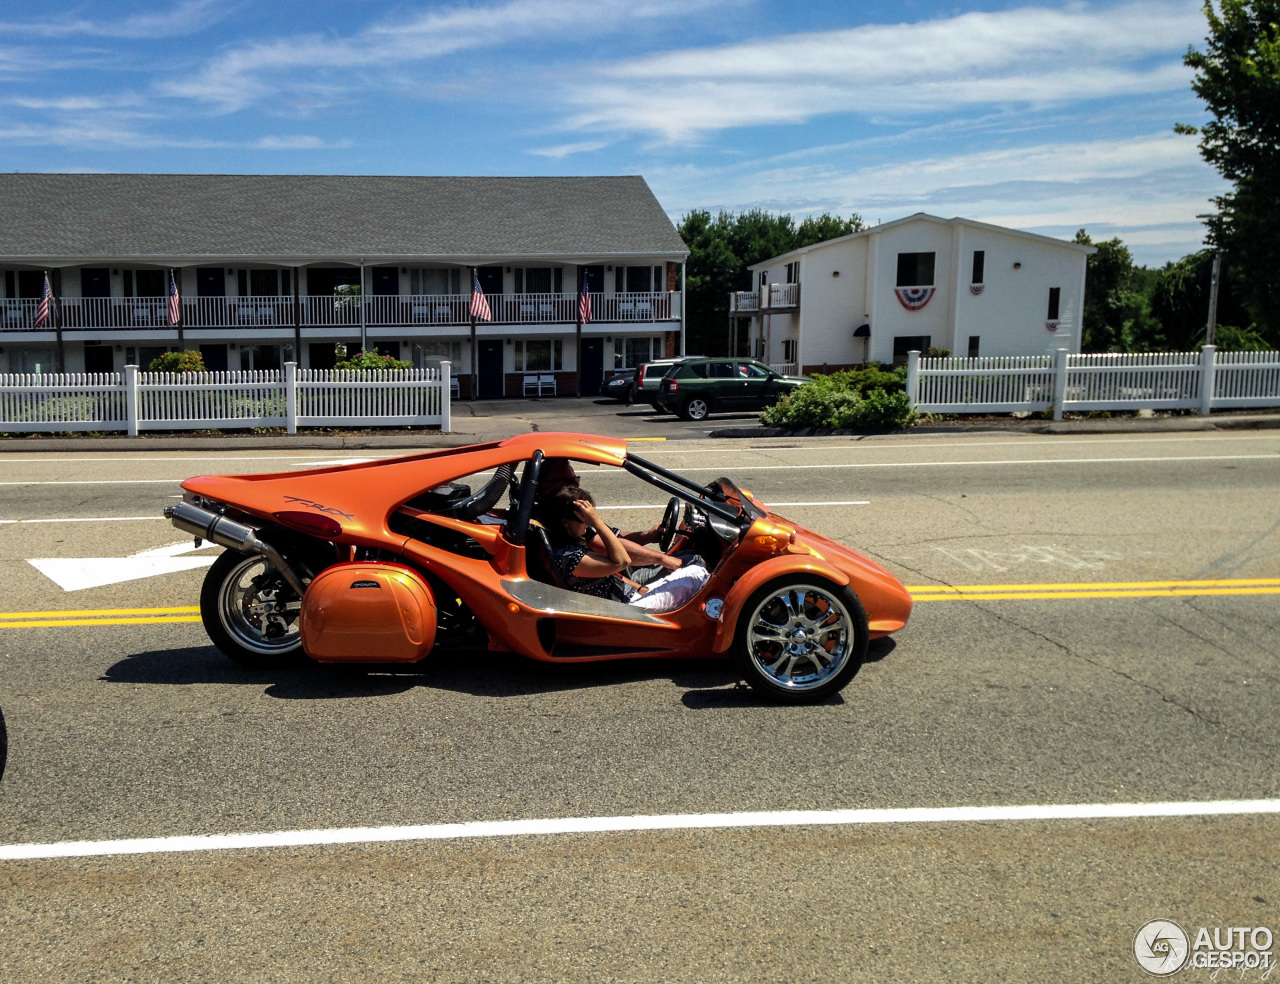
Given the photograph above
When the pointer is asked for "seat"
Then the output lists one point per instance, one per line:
(644, 311)
(547, 384)
(266, 315)
(443, 312)
(539, 557)
(627, 310)
(455, 387)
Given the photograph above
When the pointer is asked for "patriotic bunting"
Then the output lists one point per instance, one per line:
(976, 289)
(914, 298)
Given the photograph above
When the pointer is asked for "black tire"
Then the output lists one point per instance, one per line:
(695, 408)
(251, 613)
(776, 627)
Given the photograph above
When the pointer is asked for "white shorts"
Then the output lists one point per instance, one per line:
(672, 591)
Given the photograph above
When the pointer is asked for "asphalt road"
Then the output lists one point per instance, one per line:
(128, 731)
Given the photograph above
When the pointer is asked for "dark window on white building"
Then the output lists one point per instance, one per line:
(979, 262)
(973, 346)
(1055, 297)
(915, 269)
(903, 344)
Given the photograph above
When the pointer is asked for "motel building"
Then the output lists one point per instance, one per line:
(287, 268)
(915, 283)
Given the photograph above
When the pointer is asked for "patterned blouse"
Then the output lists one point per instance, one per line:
(566, 560)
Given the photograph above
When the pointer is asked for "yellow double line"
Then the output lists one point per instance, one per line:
(1112, 589)
(919, 592)
(98, 616)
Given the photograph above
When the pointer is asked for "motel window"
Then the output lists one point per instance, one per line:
(979, 262)
(264, 283)
(533, 280)
(973, 345)
(435, 281)
(915, 269)
(539, 354)
(430, 354)
(788, 350)
(1055, 297)
(629, 352)
(793, 275)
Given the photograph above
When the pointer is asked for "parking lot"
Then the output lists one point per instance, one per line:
(1096, 625)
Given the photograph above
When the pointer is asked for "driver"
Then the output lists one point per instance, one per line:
(557, 474)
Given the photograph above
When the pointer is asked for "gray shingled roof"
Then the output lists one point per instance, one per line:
(175, 216)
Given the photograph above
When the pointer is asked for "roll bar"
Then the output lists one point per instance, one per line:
(528, 492)
(682, 490)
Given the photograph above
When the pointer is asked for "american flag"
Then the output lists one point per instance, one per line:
(584, 301)
(479, 306)
(42, 312)
(175, 301)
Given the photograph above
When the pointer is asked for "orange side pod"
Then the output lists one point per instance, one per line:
(368, 613)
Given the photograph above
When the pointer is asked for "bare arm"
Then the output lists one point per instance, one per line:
(615, 557)
(639, 555)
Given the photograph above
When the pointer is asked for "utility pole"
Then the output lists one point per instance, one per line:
(1213, 299)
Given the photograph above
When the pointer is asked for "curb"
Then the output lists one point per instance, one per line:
(1127, 425)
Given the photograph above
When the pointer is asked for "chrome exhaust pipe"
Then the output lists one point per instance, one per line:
(225, 532)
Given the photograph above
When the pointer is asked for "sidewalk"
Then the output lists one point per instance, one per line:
(494, 420)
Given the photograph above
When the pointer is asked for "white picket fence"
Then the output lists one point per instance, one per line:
(135, 401)
(1202, 381)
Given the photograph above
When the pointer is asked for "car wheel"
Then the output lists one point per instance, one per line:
(695, 408)
(800, 639)
(629, 396)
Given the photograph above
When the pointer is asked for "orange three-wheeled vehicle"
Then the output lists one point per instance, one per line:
(387, 561)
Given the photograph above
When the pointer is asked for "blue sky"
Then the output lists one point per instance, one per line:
(1043, 117)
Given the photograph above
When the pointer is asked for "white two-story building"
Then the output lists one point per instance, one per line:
(916, 283)
(277, 268)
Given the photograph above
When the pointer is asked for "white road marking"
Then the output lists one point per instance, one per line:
(771, 505)
(956, 442)
(333, 462)
(597, 825)
(76, 574)
(744, 467)
(106, 481)
(83, 519)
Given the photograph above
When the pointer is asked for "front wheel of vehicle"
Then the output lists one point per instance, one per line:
(251, 613)
(800, 639)
(695, 408)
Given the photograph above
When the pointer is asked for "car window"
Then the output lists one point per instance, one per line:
(753, 370)
(693, 370)
(720, 370)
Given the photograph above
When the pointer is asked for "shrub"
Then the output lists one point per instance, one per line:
(369, 361)
(838, 401)
(188, 361)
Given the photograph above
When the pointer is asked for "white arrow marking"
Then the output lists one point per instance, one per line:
(78, 573)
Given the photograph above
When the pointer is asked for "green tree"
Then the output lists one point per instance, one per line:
(722, 247)
(1238, 77)
(1116, 312)
(1180, 303)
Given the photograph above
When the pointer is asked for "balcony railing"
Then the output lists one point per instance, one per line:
(392, 310)
(769, 297)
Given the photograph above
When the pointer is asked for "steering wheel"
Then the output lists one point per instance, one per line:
(479, 503)
(670, 523)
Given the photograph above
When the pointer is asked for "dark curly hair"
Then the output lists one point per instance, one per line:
(553, 513)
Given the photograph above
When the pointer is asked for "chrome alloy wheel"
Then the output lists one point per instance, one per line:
(258, 609)
(697, 408)
(800, 637)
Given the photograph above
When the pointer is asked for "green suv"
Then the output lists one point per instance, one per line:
(697, 387)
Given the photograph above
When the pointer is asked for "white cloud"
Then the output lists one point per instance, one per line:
(186, 17)
(1032, 55)
(1147, 189)
(564, 150)
(297, 142)
(321, 69)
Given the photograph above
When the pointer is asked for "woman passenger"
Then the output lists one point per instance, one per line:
(571, 522)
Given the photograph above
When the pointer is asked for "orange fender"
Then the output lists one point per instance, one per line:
(758, 575)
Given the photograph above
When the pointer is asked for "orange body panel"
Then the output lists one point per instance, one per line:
(519, 614)
(363, 612)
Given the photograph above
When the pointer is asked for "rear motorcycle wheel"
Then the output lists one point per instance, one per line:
(251, 613)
